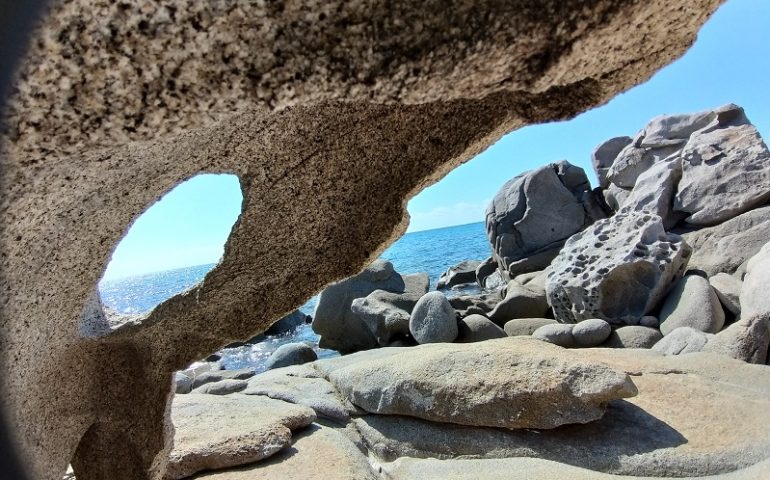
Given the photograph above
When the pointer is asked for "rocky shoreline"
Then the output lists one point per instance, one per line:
(622, 330)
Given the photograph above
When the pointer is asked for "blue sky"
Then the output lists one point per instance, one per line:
(730, 62)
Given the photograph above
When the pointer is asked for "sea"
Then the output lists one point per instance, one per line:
(431, 251)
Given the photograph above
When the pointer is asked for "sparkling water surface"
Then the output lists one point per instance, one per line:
(431, 251)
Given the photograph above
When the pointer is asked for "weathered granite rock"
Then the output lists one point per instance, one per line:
(386, 314)
(182, 383)
(463, 272)
(591, 332)
(692, 303)
(480, 304)
(221, 387)
(633, 336)
(677, 423)
(724, 169)
(219, 375)
(117, 103)
(747, 339)
(617, 270)
(615, 196)
(649, 321)
(213, 432)
(728, 290)
(473, 384)
(525, 326)
(477, 328)
(521, 301)
(488, 274)
(302, 385)
(654, 190)
(604, 155)
(532, 215)
(433, 319)
(682, 340)
(557, 333)
(754, 298)
(318, 452)
(291, 354)
(725, 247)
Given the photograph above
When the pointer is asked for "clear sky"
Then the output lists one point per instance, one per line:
(730, 62)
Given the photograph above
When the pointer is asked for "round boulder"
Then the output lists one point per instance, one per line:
(591, 332)
(557, 333)
(433, 320)
(692, 303)
(633, 336)
(477, 328)
(291, 354)
(525, 326)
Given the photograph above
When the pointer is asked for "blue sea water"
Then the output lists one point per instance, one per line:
(431, 251)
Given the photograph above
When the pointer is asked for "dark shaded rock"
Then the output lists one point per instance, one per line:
(481, 304)
(291, 354)
(521, 301)
(604, 155)
(477, 328)
(728, 290)
(463, 272)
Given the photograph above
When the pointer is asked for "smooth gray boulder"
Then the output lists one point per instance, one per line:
(747, 339)
(182, 383)
(480, 304)
(532, 215)
(754, 298)
(618, 270)
(521, 301)
(655, 188)
(222, 387)
(692, 303)
(615, 196)
(649, 321)
(219, 375)
(433, 319)
(463, 272)
(477, 328)
(591, 332)
(291, 354)
(724, 169)
(604, 155)
(682, 340)
(474, 384)
(728, 290)
(341, 329)
(386, 314)
(633, 336)
(525, 326)
(557, 333)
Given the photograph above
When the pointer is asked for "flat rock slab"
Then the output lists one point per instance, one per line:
(698, 414)
(214, 432)
(513, 382)
(317, 453)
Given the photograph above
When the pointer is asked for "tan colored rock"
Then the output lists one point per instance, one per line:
(117, 103)
(213, 432)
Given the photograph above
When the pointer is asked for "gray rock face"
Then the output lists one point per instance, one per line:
(218, 432)
(481, 304)
(222, 387)
(754, 298)
(591, 332)
(477, 328)
(557, 333)
(463, 272)
(533, 214)
(473, 384)
(521, 301)
(291, 354)
(654, 190)
(604, 155)
(724, 169)
(386, 314)
(339, 327)
(617, 270)
(746, 340)
(633, 336)
(219, 375)
(433, 319)
(728, 290)
(682, 340)
(615, 196)
(525, 326)
(487, 274)
(692, 303)
(182, 383)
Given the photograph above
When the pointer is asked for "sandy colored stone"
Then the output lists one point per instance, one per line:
(212, 432)
(117, 103)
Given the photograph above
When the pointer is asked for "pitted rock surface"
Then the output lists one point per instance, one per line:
(617, 270)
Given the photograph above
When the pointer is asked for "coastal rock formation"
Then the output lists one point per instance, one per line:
(728, 290)
(617, 270)
(692, 303)
(480, 304)
(463, 272)
(633, 336)
(591, 332)
(521, 301)
(222, 387)
(477, 328)
(754, 297)
(532, 215)
(291, 354)
(525, 326)
(604, 155)
(747, 339)
(557, 333)
(433, 319)
(219, 375)
(331, 115)
(682, 340)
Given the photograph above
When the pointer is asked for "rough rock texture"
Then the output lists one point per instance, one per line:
(433, 319)
(222, 387)
(725, 247)
(213, 432)
(291, 354)
(728, 290)
(117, 103)
(692, 303)
(557, 333)
(463, 272)
(617, 270)
(754, 295)
(474, 384)
(654, 432)
(386, 314)
(633, 336)
(477, 328)
(604, 155)
(521, 301)
(532, 215)
(682, 340)
(183, 383)
(747, 340)
(218, 375)
(525, 326)
(654, 190)
(591, 332)
(481, 304)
